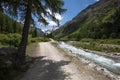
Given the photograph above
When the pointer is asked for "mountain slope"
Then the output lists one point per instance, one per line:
(7, 25)
(100, 20)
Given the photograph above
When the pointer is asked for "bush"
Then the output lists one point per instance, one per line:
(39, 39)
(12, 40)
(1, 44)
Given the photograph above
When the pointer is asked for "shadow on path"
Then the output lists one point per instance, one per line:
(43, 69)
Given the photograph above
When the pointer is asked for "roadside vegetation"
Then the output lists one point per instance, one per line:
(9, 40)
(10, 36)
(104, 45)
(12, 44)
(8, 46)
(13, 40)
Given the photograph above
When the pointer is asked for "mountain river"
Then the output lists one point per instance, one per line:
(108, 63)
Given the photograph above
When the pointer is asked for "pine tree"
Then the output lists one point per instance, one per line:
(14, 27)
(26, 8)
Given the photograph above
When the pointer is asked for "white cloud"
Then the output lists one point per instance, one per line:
(58, 16)
(97, 0)
(48, 10)
(6, 8)
(51, 23)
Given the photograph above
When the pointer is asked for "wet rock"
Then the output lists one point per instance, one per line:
(92, 65)
(117, 54)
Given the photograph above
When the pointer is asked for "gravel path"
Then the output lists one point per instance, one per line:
(53, 65)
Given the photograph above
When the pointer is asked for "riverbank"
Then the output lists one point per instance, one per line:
(105, 47)
(92, 60)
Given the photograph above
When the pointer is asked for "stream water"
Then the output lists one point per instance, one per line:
(108, 63)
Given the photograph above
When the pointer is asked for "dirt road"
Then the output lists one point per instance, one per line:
(53, 65)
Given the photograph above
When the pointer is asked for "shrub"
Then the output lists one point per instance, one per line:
(39, 39)
(12, 40)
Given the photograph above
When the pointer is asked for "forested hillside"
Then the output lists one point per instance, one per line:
(8, 25)
(10, 32)
(100, 20)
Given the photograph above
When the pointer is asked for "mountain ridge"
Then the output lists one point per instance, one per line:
(97, 16)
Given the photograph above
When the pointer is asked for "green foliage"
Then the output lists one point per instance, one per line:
(39, 39)
(8, 25)
(105, 45)
(1, 44)
(97, 21)
(12, 40)
(34, 33)
(109, 41)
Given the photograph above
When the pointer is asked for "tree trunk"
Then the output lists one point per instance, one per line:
(21, 54)
(1, 7)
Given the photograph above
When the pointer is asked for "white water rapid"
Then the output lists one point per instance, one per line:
(108, 63)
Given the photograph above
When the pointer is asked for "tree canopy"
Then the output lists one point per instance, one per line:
(41, 9)
(26, 11)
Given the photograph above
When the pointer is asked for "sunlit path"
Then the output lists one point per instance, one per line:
(53, 65)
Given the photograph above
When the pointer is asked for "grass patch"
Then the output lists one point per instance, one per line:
(105, 45)
(39, 39)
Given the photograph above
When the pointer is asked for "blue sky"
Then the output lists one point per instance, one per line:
(73, 8)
